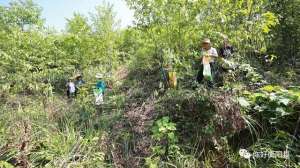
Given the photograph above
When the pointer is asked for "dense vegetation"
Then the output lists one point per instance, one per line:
(143, 123)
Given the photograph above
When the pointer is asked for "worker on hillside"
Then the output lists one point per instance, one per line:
(78, 82)
(99, 89)
(208, 57)
(226, 51)
(71, 88)
(226, 66)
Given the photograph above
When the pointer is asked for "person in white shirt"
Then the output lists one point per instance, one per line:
(208, 58)
(71, 89)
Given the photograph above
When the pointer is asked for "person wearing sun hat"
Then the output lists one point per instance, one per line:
(208, 56)
(99, 89)
(78, 82)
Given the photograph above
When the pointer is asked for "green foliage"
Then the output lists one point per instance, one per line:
(78, 25)
(5, 165)
(164, 130)
(36, 62)
(180, 25)
(34, 68)
(270, 20)
(278, 141)
(163, 133)
(272, 102)
(251, 73)
(285, 36)
(20, 14)
(152, 162)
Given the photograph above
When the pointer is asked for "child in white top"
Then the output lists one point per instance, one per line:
(71, 89)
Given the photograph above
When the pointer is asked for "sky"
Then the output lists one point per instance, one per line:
(55, 12)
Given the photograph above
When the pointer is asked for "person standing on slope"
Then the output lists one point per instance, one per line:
(208, 57)
(99, 89)
(78, 82)
(71, 88)
(226, 51)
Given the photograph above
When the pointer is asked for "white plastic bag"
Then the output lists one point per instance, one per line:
(99, 99)
(207, 71)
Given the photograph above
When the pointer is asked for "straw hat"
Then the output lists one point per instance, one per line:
(77, 76)
(99, 76)
(206, 40)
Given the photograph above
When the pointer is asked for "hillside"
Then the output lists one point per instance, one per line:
(245, 113)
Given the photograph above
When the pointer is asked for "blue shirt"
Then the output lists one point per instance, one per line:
(78, 83)
(101, 86)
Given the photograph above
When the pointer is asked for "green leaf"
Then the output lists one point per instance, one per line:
(281, 111)
(284, 101)
(271, 88)
(4, 164)
(243, 102)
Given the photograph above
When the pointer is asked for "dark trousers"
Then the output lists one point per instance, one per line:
(200, 76)
(70, 95)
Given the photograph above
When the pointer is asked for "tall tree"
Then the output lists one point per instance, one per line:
(105, 26)
(285, 41)
(180, 24)
(21, 13)
(78, 24)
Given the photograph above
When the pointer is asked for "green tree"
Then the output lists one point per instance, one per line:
(285, 38)
(180, 25)
(105, 28)
(78, 24)
(21, 13)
